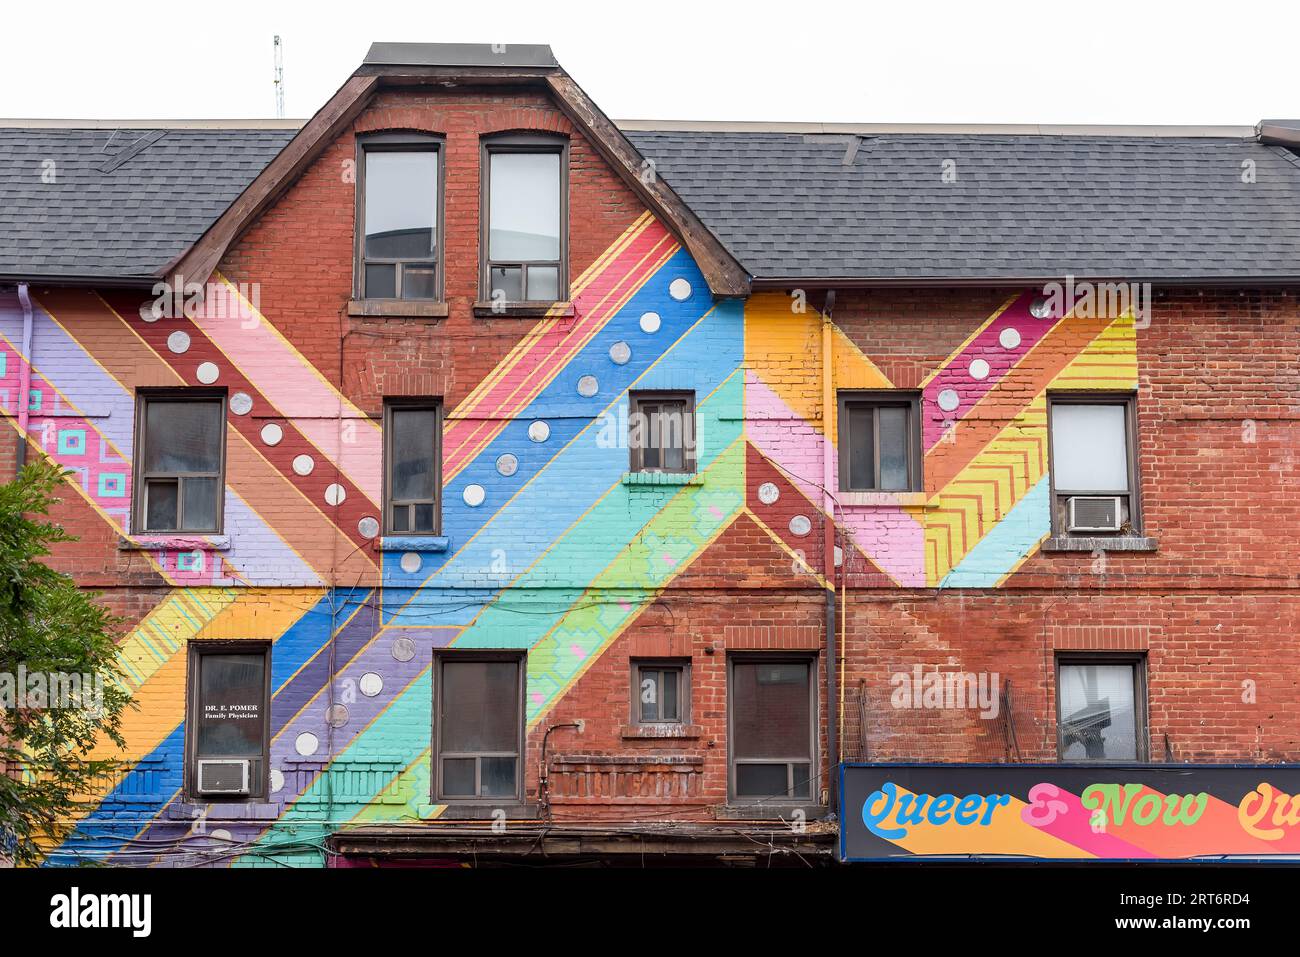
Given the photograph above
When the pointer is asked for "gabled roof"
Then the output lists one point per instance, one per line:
(400, 64)
(872, 205)
(113, 204)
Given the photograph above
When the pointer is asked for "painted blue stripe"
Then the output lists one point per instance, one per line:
(1010, 540)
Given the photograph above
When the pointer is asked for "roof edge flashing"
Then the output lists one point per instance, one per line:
(461, 55)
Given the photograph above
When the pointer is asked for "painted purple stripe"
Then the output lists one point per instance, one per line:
(1022, 332)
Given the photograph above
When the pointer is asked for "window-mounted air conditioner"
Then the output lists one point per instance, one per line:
(1094, 513)
(223, 776)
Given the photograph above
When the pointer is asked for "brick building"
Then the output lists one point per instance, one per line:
(484, 479)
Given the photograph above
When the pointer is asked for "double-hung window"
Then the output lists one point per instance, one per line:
(228, 720)
(399, 252)
(179, 462)
(413, 473)
(661, 692)
(1093, 466)
(478, 725)
(525, 219)
(772, 708)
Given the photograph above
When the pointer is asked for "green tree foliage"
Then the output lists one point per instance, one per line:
(48, 626)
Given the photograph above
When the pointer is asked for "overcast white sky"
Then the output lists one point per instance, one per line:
(992, 61)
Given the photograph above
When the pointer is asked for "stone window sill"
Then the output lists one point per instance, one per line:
(522, 310)
(883, 499)
(397, 308)
(662, 478)
(184, 543)
(1098, 543)
(226, 811)
(660, 732)
(511, 807)
(412, 543)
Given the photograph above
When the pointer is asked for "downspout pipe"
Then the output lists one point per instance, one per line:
(828, 550)
(24, 379)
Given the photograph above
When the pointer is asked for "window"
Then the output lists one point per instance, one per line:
(398, 199)
(413, 476)
(525, 216)
(227, 731)
(1101, 707)
(772, 721)
(180, 462)
(1092, 461)
(661, 692)
(661, 431)
(880, 442)
(478, 726)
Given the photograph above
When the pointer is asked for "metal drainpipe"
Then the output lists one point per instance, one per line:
(24, 379)
(828, 550)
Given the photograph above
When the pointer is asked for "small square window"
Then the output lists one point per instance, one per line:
(880, 442)
(1101, 707)
(660, 692)
(661, 431)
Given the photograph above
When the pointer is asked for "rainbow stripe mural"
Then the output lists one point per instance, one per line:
(548, 544)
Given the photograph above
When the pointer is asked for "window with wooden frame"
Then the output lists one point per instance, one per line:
(227, 724)
(412, 467)
(1093, 464)
(180, 459)
(661, 431)
(399, 211)
(478, 734)
(1101, 707)
(661, 692)
(880, 442)
(772, 721)
(525, 219)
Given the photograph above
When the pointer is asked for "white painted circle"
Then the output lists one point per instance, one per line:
(539, 431)
(1039, 308)
(650, 322)
(839, 556)
(588, 386)
(306, 744)
(336, 715)
(303, 464)
(979, 369)
(1009, 338)
(474, 495)
(768, 493)
(403, 649)
(368, 527)
(220, 834)
(151, 310)
(800, 525)
(272, 434)
(620, 353)
(370, 684)
(410, 562)
(335, 494)
(179, 342)
(241, 403)
(507, 464)
(949, 400)
(679, 289)
(277, 780)
(208, 372)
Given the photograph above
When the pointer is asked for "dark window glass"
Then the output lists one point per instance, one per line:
(480, 722)
(413, 468)
(399, 246)
(661, 432)
(661, 693)
(1099, 712)
(771, 729)
(179, 464)
(879, 445)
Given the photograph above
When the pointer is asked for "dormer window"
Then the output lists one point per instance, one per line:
(399, 251)
(525, 219)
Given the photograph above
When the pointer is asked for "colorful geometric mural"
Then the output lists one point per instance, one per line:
(548, 543)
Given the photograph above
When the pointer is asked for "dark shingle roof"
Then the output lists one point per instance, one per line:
(117, 206)
(788, 204)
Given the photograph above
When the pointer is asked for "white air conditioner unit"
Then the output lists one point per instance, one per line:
(1095, 513)
(223, 776)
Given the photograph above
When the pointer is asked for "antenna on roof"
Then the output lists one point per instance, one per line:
(279, 78)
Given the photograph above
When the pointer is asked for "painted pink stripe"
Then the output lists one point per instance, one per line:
(293, 386)
(1000, 345)
(887, 535)
(1072, 827)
